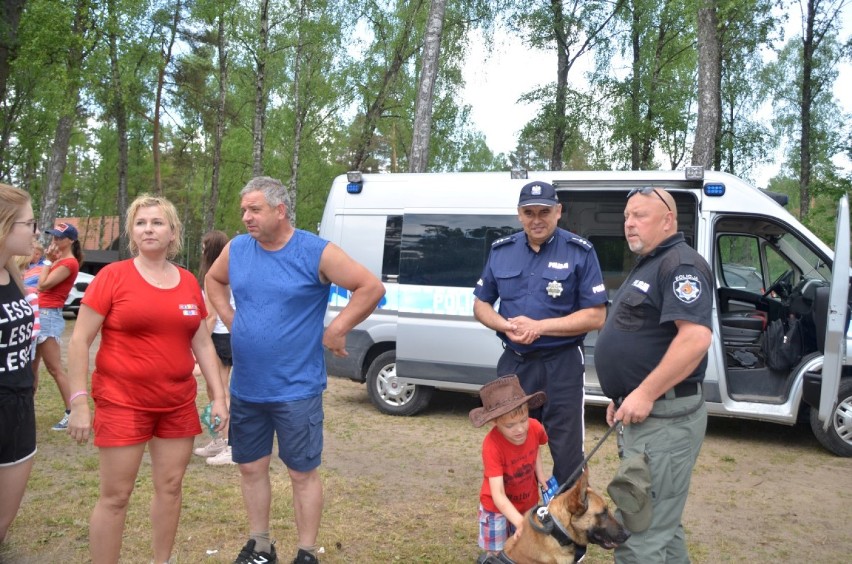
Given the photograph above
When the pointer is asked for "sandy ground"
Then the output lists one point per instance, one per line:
(760, 492)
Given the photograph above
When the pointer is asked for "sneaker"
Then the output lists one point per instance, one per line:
(305, 557)
(222, 458)
(248, 555)
(212, 448)
(62, 425)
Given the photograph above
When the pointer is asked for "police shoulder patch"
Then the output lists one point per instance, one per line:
(686, 287)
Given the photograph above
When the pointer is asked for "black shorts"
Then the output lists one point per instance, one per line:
(222, 342)
(17, 420)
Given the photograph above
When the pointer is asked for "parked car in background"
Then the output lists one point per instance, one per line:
(72, 304)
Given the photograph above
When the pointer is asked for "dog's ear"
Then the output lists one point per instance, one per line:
(578, 501)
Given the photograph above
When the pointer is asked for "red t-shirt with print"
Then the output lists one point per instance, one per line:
(516, 463)
(145, 358)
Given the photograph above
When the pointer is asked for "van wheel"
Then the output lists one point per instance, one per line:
(838, 437)
(386, 392)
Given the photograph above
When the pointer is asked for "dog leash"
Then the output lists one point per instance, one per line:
(576, 474)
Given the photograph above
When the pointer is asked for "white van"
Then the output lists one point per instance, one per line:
(427, 237)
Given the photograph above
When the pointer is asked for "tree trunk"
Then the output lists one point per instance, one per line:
(806, 103)
(402, 52)
(259, 126)
(119, 114)
(68, 114)
(559, 133)
(428, 74)
(161, 77)
(210, 214)
(635, 90)
(299, 112)
(56, 166)
(11, 11)
(706, 131)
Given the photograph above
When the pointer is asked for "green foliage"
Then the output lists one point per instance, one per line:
(628, 112)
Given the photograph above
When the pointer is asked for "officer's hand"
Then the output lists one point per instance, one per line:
(610, 414)
(635, 408)
(526, 329)
(522, 338)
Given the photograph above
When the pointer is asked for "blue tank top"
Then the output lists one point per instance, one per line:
(276, 337)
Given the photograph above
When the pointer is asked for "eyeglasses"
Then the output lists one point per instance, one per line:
(32, 223)
(645, 191)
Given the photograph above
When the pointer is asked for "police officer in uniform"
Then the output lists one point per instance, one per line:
(650, 358)
(551, 294)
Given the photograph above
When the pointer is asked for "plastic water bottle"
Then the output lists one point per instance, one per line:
(205, 419)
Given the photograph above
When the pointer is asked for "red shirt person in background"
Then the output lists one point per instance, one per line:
(64, 257)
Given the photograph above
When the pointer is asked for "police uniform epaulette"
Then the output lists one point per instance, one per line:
(503, 240)
(577, 240)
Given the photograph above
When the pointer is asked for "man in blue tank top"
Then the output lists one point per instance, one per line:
(280, 277)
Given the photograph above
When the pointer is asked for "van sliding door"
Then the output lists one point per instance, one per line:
(442, 255)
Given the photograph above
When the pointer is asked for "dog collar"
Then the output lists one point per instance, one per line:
(501, 558)
(549, 525)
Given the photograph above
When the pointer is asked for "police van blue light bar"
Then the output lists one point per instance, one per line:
(355, 182)
(714, 190)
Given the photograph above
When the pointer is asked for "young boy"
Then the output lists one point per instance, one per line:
(510, 456)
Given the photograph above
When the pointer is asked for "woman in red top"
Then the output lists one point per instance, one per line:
(150, 314)
(54, 284)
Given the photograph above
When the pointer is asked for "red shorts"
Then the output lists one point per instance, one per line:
(116, 425)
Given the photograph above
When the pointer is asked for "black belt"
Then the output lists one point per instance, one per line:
(529, 355)
(683, 390)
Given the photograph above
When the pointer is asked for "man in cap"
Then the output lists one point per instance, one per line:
(650, 358)
(551, 293)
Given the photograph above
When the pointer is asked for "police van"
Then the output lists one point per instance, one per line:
(781, 296)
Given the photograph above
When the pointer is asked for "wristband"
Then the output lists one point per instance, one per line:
(77, 395)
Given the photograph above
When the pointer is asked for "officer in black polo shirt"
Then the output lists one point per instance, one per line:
(650, 358)
(551, 294)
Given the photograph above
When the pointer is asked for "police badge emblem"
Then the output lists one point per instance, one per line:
(554, 289)
(687, 288)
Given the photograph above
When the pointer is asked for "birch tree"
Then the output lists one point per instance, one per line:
(709, 83)
(419, 158)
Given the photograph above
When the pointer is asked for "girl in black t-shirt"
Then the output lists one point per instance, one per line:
(17, 409)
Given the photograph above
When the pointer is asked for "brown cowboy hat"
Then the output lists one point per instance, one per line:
(502, 396)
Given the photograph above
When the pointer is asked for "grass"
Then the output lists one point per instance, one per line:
(405, 489)
(396, 490)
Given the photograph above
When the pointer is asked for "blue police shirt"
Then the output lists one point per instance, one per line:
(563, 277)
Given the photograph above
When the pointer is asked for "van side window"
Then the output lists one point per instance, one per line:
(449, 250)
(739, 257)
(615, 258)
(393, 240)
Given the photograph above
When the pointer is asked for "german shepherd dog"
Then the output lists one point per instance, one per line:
(560, 532)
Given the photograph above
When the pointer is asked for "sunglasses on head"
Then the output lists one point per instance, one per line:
(648, 190)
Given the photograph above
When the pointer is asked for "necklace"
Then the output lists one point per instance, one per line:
(150, 277)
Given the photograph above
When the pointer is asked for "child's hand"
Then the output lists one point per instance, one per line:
(518, 530)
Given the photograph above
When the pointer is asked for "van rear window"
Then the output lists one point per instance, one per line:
(446, 250)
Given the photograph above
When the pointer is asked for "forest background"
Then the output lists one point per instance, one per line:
(106, 99)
